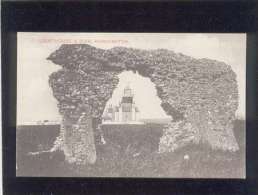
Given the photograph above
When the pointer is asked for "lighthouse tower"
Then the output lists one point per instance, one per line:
(127, 105)
(126, 112)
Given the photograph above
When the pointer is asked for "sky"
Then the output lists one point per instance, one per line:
(34, 96)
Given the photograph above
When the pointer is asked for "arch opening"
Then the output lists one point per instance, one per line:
(134, 100)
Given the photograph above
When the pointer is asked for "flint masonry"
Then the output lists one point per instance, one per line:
(201, 95)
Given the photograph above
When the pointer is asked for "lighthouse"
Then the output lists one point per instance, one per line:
(125, 112)
(127, 105)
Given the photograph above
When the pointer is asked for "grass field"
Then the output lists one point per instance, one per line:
(129, 152)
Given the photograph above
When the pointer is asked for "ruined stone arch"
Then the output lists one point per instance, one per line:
(200, 94)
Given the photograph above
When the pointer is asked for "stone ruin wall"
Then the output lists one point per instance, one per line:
(201, 95)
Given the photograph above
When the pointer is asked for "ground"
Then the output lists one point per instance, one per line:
(130, 159)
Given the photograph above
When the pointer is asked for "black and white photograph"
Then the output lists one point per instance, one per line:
(131, 105)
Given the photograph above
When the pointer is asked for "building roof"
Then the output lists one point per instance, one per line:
(110, 110)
